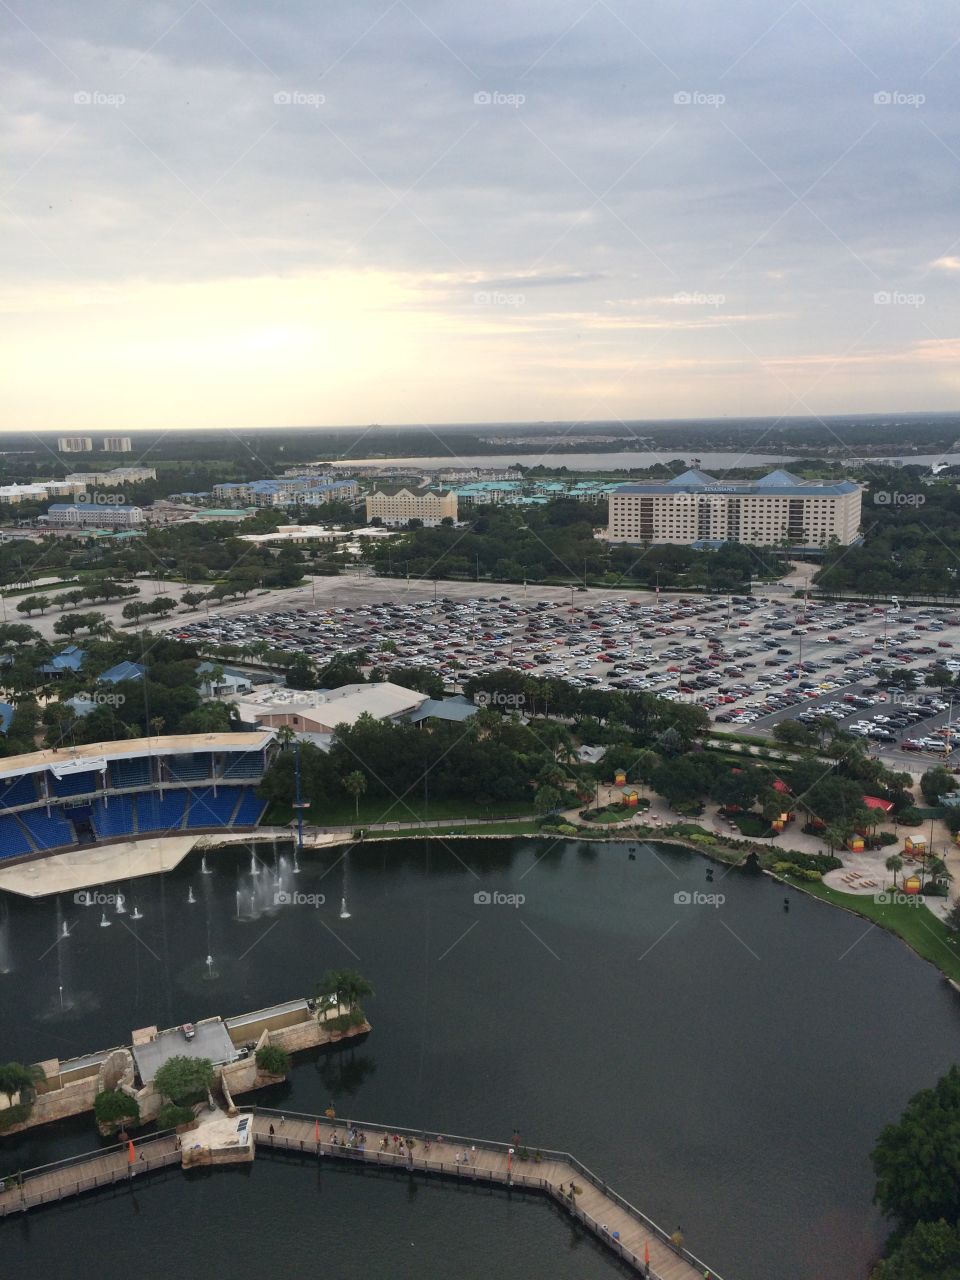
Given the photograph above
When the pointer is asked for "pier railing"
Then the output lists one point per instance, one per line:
(87, 1171)
(517, 1178)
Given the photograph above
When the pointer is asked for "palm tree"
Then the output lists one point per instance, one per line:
(356, 784)
(895, 864)
(285, 735)
(344, 986)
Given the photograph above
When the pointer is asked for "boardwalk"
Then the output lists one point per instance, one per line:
(88, 1172)
(616, 1222)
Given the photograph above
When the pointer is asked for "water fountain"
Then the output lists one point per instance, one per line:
(344, 913)
(254, 866)
(104, 922)
(121, 905)
(211, 973)
(64, 930)
(190, 898)
(238, 904)
(136, 914)
(204, 869)
(296, 863)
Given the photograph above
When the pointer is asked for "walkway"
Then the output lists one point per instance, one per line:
(620, 1226)
(85, 1173)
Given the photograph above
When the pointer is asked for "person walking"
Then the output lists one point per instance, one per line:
(271, 1131)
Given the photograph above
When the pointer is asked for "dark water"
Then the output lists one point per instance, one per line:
(726, 1068)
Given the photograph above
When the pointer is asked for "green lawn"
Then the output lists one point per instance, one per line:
(375, 809)
(921, 930)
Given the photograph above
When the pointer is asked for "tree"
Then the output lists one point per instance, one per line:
(185, 1080)
(895, 864)
(547, 798)
(29, 603)
(930, 1251)
(917, 1160)
(113, 1107)
(356, 784)
(171, 1116)
(342, 989)
(935, 783)
(273, 1060)
(191, 599)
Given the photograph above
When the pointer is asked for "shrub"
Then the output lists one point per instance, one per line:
(273, 1060)
(112, 1107)
(171, 1116)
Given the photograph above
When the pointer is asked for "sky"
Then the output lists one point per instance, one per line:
(243, 214)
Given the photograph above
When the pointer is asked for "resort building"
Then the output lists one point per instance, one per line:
(75, 444)
(117, 444)
(398, 506)
(289, 491)
(694, 509)
(113, 478)
(86, 515)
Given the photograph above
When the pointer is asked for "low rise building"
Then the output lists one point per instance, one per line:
(87, 515)
(113, 478)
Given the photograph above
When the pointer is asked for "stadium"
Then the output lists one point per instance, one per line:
(108, 792)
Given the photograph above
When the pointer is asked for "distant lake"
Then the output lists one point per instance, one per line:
(612, 461)
(726, 1068)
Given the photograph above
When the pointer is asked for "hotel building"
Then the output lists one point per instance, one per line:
(694, 509)
(430, 506)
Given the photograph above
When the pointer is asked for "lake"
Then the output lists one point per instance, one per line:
(725, 1066)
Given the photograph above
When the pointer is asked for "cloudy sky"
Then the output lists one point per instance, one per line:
(238, 213)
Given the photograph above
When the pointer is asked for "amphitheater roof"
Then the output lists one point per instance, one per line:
(95, 754)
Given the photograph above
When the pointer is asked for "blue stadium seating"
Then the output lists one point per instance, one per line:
(156, 812)
(14, 791)
(113, 817)
(48, 831)
(13, 841)
(248, 764)
(209, 810)
(131, 773)
(192, 768)
(78, 784)
(250, 810)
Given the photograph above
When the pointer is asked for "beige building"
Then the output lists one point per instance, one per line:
(75, 444)
(398, 506)
(117, 444)
(695, 509)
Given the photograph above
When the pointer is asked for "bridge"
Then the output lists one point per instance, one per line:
(648, 1249)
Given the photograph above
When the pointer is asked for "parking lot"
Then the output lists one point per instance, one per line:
(749, 661)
